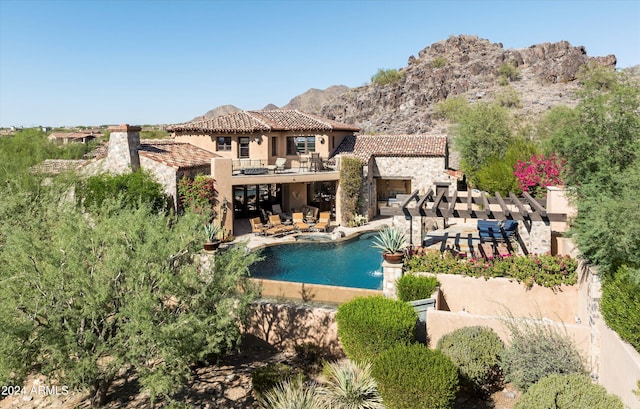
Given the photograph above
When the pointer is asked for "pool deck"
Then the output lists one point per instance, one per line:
(243, 232)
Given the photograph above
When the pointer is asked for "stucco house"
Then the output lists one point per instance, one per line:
(248, 144)
(167, 160)
(73, 137)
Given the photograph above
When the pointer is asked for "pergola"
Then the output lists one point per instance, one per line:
(532, 213)
(440, 204)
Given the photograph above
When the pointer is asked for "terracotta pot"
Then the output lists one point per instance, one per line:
(393, 257)
(211, 245)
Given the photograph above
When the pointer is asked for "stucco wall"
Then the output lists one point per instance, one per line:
(287, 325)
(440, 323)
(499, 295)
(312, 292)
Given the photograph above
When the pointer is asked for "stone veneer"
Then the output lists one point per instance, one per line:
(124, 143)
(391, 272)
(424, 172)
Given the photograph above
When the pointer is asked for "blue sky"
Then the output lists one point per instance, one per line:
(93, 62)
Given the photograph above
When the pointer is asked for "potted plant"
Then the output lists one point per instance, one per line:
(211, 231)
(392, 241)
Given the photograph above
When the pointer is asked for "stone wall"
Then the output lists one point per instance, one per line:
(423, 172)
(124, 143)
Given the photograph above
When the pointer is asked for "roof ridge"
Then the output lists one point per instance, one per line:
(315, 118)
(250, 113)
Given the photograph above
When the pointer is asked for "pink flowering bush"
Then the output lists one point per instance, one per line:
(541, 269)
(538, 172)
(199, 194)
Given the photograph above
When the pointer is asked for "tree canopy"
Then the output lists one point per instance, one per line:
(86, 295)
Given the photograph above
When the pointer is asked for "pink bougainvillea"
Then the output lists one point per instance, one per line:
(538, 172)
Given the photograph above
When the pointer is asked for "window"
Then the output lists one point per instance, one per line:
(300, 144)
(274, 146)
(243, 147)
(224, 143)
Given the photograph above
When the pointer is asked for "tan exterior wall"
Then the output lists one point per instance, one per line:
(496, 296)
(440, 323)
(221, 172)
(312, 292)
(260, 144)
(285, 326)
(619, 367)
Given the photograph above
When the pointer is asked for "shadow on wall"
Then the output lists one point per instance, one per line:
(284, 326)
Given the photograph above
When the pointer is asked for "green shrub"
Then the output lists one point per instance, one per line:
(541, 269)
(351, 183)
(199, 194)
(135, 189)
(291, 394)
(349, 385)
(509, 71)
(620, 305)
(415, 377)
(508, 97)
(452, 108)
(537, 350)
(388, 76)
(267, 377)
(413, 287)
(439, 62)
(369, 325)
(475, 350)
(568, 392)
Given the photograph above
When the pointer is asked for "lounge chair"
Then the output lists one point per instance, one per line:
(491, 230)
(276, 223)
(323, 221)
(310, 213)
(257, 227)
(276, 209)
(298, 222)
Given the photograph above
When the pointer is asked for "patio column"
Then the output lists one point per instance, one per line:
(391, 272)
(221, 171)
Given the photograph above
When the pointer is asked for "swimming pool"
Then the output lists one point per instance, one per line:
(348, 263)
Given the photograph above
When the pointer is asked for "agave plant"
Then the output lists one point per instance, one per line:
(291, 394)
(211, 231)
(390, 240)
(349, 385)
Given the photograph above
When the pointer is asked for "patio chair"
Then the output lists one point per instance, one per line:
(257, 227)
(298, 222)
(276, 209)
(491, 230)
(280, 163)
(276, 222)
(310, 213)
(323, 221)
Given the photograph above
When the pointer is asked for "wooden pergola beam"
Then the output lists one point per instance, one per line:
(503, 205)
(534, 204)
(408, 200)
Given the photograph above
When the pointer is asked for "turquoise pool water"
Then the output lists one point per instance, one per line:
(349, 263)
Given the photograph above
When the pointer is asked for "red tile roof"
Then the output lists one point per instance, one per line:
(264, 121)
(365, 146)
(57, 166)
(175, 155)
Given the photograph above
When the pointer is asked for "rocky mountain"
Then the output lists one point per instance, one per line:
(314, 99)
(465, 66)
(218, 111)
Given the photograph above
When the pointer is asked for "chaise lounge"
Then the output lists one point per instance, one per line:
(493, 230)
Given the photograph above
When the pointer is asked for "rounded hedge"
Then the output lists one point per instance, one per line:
(415, 377)
(369, 325)
(573, 391)
(475, 351)
(412, 287)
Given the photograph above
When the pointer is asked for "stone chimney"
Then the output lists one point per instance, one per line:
(124, 143)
